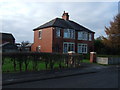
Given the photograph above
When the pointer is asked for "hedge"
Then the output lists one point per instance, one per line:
(20, 58)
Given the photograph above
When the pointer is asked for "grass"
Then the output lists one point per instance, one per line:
(86, 61)
(8, 66)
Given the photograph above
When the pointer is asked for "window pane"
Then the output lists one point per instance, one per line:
(90, 37)
(65, 48)
(69, 33)
(72, 34)
(57, 32)
(68, 46)
(86, 36)
(82, 48)
(40, 34)
(65, 33)
(80, 35)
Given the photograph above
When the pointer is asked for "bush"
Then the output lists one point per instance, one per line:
(33, 60)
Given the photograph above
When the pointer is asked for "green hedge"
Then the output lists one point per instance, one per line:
(22, 61)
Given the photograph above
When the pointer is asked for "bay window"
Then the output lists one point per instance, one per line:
(82, 48)
(82, 35)
(68, 46)
(69, 33)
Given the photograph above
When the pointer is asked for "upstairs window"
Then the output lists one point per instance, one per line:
(90, 37)
(57, 32)
(82, 35)
(85, 36)
(40, 34)
(69, 33)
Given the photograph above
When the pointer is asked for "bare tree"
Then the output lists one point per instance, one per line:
(23, 45)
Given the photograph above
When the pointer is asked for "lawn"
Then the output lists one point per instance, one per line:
(85, 61)
(8, 66)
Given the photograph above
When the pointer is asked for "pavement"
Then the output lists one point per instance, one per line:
(22, 77)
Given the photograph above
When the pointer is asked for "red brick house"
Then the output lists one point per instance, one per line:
(63, 35)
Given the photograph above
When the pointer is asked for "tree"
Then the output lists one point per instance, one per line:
(99, 47)
(113, 34)
(23, 45)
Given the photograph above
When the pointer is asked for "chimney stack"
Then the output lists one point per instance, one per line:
(65, 16)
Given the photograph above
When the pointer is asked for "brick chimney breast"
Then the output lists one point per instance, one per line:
(65, 16)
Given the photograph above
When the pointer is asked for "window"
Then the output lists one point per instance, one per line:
(85, 35)
(57, 32)
(40, 34)
(69, 33)
(38, 48)
(82, 35)
(90, 37)
(68, 46)
(82, 48)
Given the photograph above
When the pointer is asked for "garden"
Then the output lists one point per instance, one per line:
(35, 61)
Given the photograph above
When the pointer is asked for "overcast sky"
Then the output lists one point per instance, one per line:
(20, 18)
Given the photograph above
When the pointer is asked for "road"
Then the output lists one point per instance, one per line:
(106, 78)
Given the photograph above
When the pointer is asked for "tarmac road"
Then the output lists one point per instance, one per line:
(106, 78)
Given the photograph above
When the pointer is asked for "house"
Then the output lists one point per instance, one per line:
(7, 43)
(28, 47)
(8, 47)
(24, 46)
(6, 37)
(62, 35)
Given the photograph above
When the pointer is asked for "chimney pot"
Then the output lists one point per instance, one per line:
(65, 16)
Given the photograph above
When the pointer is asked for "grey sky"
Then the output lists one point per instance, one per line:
(20, 18)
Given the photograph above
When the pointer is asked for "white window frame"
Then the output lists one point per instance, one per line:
(40, 36)
(58, 30)
(68, 43)
(69, 33)
(82, 48)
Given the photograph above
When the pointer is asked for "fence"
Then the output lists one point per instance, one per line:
(108, 60)
(23, 59)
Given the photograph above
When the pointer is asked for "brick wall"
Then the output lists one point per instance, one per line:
(45, 42)
(51, 43)
(59, 41)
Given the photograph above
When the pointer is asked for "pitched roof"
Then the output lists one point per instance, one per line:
(6, 36)
(67, 24)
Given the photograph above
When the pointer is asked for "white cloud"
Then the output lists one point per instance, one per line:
(63, 0)
(20, 17)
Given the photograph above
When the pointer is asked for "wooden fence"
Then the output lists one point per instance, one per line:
(23, 58)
